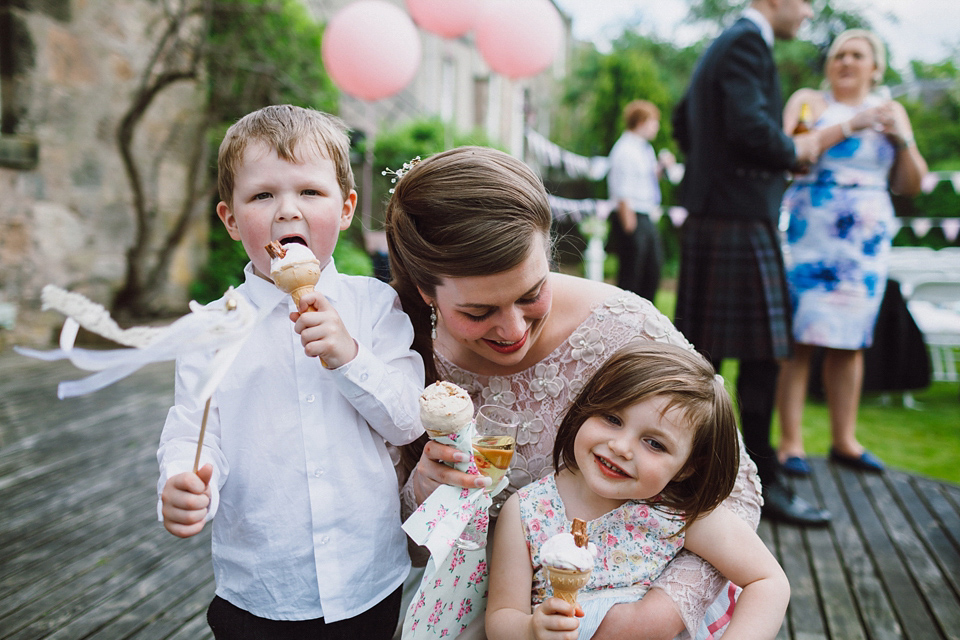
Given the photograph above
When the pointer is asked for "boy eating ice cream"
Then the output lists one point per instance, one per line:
(295, 467)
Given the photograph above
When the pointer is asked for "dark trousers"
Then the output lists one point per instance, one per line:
(756, 392)
(640, 254)
(230, 622)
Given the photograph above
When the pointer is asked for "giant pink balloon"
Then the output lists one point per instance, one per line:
(519, 38)
(371, 49)
(448, 18)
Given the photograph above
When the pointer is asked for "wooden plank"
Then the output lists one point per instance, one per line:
(155, 592)
(837, 600)
(767, 532)
(188, 622)
(188, 587)
(873, 607)
(804, 612)
(904, 599)
(107, 581)
(935, 586)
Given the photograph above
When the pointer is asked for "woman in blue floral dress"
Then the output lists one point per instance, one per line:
(838, 239)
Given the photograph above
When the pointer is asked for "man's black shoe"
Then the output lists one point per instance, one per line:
(781, 503)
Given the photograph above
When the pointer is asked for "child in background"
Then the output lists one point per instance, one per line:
(307, 539)
(649, 451)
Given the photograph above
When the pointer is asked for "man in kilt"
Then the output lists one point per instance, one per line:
(732, 299)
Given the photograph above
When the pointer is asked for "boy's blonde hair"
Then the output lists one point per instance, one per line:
(284, 128)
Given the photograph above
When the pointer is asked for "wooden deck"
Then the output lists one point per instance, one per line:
(83, 556)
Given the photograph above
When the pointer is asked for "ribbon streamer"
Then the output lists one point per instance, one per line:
(221, 330)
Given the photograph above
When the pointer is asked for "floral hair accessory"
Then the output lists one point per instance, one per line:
(399, 173)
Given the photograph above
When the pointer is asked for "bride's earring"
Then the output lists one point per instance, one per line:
(433, 322)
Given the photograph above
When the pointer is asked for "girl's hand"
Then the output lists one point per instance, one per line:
(322, 332)
(556, 619)
(431, 472)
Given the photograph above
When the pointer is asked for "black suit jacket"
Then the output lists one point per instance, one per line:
(729, 126)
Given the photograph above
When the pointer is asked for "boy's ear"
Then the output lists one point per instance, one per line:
(229, 220)
(349, 206)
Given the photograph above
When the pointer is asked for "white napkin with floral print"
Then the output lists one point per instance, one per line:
(454, 586)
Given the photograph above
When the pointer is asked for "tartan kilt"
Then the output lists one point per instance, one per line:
(732, 297)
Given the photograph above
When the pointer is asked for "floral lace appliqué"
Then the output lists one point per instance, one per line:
(546, 382)
(587, 344)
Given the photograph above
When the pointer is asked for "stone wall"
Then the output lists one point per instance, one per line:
(69, 220)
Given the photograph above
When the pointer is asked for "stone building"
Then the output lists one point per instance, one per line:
(68, 73)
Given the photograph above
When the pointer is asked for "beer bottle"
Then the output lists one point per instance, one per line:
(803, 124)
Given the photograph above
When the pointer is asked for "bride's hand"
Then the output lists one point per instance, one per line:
(431, 471)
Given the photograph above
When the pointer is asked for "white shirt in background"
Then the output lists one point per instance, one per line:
(633, 175)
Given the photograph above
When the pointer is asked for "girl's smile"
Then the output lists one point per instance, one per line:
(634, 453)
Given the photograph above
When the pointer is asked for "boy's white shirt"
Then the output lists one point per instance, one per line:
(303, 482)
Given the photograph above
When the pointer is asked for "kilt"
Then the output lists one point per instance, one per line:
(732, 298)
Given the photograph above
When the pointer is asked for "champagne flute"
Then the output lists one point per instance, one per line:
(493, 446)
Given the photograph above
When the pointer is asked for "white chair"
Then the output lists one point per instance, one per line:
(935, 307)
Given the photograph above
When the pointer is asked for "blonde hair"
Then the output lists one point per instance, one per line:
(639, 111)
(876, 46)
(470, 211)
(284, 128)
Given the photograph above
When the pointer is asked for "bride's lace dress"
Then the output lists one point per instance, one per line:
(542, 393)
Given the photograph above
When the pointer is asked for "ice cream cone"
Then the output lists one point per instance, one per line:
(445, 408)
(297, 279)
(567, 583)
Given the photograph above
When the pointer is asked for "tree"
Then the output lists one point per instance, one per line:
(176, 57)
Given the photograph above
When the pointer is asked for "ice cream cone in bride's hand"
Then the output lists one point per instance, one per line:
(445, 408)
(567, 559)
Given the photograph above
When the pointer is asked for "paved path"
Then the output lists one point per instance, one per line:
(83, 556)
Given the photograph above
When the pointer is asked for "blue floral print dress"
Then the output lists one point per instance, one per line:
(839, 236)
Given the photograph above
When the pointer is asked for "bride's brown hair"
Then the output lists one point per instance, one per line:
(470, 211)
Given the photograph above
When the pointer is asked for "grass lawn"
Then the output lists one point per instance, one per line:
(924, 440)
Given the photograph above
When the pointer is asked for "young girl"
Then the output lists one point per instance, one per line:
(649, 451)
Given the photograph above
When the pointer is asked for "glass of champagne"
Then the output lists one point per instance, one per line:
(493, 447)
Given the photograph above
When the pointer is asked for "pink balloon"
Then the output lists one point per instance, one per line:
(519, 38)
(371, 49)
(448, 18)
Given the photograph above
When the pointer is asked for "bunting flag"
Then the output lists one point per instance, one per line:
(549, 154)
(922, 226)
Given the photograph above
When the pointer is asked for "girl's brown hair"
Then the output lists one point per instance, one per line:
(642, 370)
(470, 211)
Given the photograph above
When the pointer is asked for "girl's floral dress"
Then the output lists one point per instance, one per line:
(634, 544)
